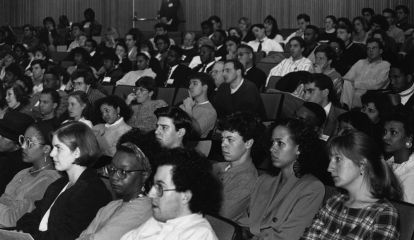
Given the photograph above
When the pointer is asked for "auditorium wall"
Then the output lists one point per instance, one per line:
(119, 13)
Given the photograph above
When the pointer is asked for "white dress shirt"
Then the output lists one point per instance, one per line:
(189, 227)
(268, 45)
(405, 173)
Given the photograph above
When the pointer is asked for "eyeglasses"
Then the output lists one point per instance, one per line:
(139, 89)
(159, 191)
(121, 173)
(29, 143)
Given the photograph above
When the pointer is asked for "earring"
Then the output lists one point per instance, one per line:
(408, 144)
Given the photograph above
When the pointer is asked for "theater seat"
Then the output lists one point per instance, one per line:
(123, 91)
(182, 93)
(166, 94)
(290, 105)
(224, 229)
(272, 103)
(406, 213)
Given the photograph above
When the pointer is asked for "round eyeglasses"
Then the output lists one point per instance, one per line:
(159, 191)
(27, 142)
(121, 173)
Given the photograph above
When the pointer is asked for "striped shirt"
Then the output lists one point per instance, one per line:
(336, 221)
(289, 65)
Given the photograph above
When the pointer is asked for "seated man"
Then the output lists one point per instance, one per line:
(296, 62)
(48, 103)
(183, 190)
(188, 48)
(219, 36)
(38, 68)
(319, 89)
(238, 174)
(52, 80)
(197, 105)
(143, 69)
(173, 127)
(83, 81)
(176, 74)
(245, 55)
(262, 43)
(402, 83)
(303, 20)
(217, 74)
(207, 57)
(311, 42)
(393, 31)
(95, 59)
(366, 74)
(110, 73)
(237, 94)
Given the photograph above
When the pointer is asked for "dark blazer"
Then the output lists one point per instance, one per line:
(256, 76)
(180, 76)
(200, 66)
(331, 122)
(96, 60)
(410, 103)
(72, 211)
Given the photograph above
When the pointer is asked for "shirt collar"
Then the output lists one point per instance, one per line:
(407, 91)
(121, 119)
(236, 88)
(327, 108)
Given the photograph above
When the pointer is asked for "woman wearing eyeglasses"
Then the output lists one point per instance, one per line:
(143, 104)
(128, 173)
(71, 202)
(29, 184)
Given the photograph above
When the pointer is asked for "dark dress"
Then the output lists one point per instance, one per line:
(72, 211)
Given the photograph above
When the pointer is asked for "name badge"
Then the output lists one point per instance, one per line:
(170, 5)
(106, 79)
(37, 104)
(170, 81)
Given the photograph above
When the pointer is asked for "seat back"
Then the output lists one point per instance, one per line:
(290, 105)
(272, 103)
(265, 66)
(123, 91)
(166, 94)
(223, 228)
(182, 93)
(109, 89)
(406, 220)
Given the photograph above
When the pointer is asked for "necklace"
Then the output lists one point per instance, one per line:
(38, 170)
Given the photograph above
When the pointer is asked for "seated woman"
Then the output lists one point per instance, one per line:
(114, 113)
(364, 211)
(143, 105)
(143, 69)
(283, 205)
(128, 174)
(28, 185)
(78, 107)
(232, 43)
(17, 99)
(71, 202)
(398, 146)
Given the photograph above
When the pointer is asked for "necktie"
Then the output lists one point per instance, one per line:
(259, 49)
(203, 69)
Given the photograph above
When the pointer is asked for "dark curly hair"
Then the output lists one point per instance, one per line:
(307, 139)
(192, 172)
(115, 102)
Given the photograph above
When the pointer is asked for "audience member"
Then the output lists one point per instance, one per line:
(48, 104)
(364, 211)
(30, 40)
(366, 74)
(163, 45)
(402, 19)
(28, 185)
(143, 104)
(207, 29)
(238, 175)
(70, 203)
(360, 32)
(183, 190)
(313, 115)
(231, 43)
(398, 146)
(160, 30)
(12, 125)
(188, 48)
(319, 89)
(121, 50)
(197, 104)
(290, 198)
(79, 38)
(17, 99)
(174, 127)
(311, 37)
(351, 53)
(217, 74)
(303, 20)
(48, 35)
(22, 56)
(354, 121)
(128, 173)
(401, 82)
(114, 114)
(216, 22)
(143, 70)
(262, 43)
(90, 25)
(271, 29)
(52, 80)
(245, 29)
(131, 42)
(368, 14)
(393, 31)
(237, 93)
(389, 53)
(207, 59)
(296, 62)
(168, 14)
(245, 55)
(83, 80)
(79, 107)
(218, 38)
(329, 29)
(110, 72)
(38, 68)
(176, 74)
(95, 59)
(324, 55)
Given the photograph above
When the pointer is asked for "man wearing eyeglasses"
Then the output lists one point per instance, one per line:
(183, 190)
(245, 55)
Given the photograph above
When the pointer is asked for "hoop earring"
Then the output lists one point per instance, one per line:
(408, 144)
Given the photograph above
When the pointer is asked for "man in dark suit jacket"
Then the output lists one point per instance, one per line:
(169, 13)
(207, 57)
(218, 38)
(245, 54)
(237, 94)
(319, 89)
(176, 74)
(95, 59)
(402, 81)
